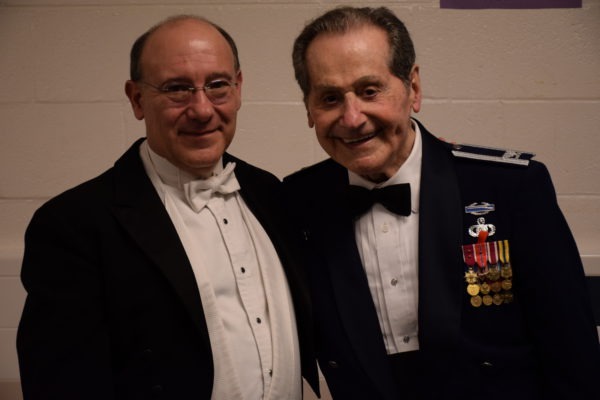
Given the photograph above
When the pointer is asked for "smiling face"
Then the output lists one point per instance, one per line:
(192, 135)
(359, 109)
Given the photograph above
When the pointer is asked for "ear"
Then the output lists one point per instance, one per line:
(239, 78)
(134, 95)
(415, 89)
(311, 123)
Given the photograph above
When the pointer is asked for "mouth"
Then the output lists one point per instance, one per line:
(360, 139)
(193, 132)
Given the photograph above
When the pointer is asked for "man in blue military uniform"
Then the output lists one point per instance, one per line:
(437, 270)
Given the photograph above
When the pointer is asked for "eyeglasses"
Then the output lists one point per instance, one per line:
(217, 91)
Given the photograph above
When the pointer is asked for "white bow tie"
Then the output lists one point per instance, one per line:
(199, 192)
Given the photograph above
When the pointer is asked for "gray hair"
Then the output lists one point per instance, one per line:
(344, 19)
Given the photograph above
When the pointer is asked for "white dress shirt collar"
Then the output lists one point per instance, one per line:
(172, 175)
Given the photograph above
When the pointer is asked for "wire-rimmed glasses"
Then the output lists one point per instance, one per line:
(218, 91)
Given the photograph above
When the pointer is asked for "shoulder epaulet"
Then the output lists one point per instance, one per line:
(492, 154)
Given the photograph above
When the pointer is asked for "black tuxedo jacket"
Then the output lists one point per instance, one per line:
(544, 345)
(113, 309)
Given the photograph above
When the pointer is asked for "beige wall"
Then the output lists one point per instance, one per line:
(523, 79)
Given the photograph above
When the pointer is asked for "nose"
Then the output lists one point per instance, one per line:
(200, 107)
(352, 112)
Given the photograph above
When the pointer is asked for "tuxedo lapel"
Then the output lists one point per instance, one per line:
(440, 235)
(257, 196)
(265, 202)
(262, 194)
(139, 210)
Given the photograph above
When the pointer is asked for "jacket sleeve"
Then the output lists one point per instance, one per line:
(556, 302)
(62, 339)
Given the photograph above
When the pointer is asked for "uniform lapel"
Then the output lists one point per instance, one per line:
(440, 234)
(351, 290)
(440, 268)
(139, 210)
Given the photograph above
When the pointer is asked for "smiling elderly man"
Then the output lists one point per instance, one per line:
(436, 271)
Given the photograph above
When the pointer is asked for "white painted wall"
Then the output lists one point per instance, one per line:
(523, 79)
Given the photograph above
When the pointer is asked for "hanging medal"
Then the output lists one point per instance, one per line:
(506, 271)
(481, 260)
(494, 272)
(471, 275)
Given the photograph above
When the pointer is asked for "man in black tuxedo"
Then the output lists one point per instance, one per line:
(437, 271)
(171, 275)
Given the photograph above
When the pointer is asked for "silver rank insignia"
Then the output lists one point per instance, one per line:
(492, 154)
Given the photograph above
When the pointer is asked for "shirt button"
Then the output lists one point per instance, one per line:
(333, 364)
(406, 339)
(394, 281)
(385, 228)
(270, 372)
(243, 270)
(258, 320)
(225, 221)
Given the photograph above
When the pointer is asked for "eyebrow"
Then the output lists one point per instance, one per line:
(362, 81)
(220, 75)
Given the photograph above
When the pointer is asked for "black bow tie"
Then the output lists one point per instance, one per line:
(395, 198)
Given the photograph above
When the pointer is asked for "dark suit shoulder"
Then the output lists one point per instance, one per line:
(474, 155)
(323, 171)
(475, 163)
(478, 169)
(492, 154)
(100, 188)
(81, 198)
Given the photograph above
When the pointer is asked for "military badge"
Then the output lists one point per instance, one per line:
(488, 273)
(482, 208)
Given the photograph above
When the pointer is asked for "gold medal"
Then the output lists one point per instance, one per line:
(487, 300)
(485, 288)
(476, 301)
(473, 289)
(494, 273)
(471, 276)
(506, 271)
(507, 284)
(496, 286)
(497, 299)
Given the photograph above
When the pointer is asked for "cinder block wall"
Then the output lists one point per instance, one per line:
(523, 79)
